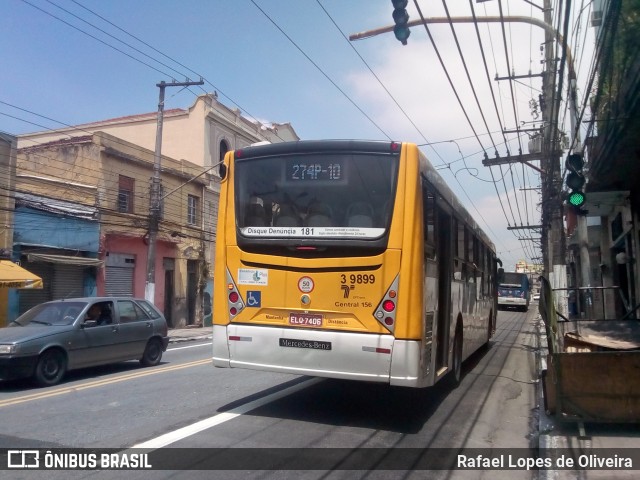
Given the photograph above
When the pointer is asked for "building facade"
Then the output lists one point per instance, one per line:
(8, 146)
(201, 134)
(194, 141)
(95, 241)
(604, 234)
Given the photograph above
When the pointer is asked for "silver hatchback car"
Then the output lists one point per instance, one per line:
(54, 337)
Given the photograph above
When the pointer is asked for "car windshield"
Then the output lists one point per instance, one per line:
(51, 314)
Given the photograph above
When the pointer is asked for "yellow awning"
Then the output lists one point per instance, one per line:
(14, 276)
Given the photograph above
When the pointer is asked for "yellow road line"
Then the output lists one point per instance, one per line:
(99, 383)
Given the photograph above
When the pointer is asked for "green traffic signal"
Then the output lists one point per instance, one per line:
(575, 180)
(576, 198)
(402, 33)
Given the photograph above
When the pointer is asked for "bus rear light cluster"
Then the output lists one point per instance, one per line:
(385, 312)
(235, 303)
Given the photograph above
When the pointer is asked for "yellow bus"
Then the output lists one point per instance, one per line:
(348, 259)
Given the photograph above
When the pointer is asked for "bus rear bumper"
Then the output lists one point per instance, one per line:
(512, 302)
(344, 355)
(220, 347)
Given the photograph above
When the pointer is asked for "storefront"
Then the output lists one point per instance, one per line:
(13, 276)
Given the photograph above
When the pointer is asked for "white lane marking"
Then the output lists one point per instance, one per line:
(184, 432)
(190, 346)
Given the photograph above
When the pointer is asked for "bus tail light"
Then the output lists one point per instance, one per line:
(385, 312)
(388, 306)
(235, 304)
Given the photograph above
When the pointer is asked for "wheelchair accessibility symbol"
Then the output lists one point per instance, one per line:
(254, 298)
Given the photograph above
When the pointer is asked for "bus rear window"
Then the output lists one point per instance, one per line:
(338, 196)
(513, 279)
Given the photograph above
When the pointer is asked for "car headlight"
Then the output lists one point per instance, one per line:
(7, 349)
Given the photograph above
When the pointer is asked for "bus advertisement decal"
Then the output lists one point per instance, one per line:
(250, 276)
(303, 232)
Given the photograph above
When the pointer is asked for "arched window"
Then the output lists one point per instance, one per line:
(224, 148)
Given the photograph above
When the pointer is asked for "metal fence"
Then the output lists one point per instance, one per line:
(596, 303)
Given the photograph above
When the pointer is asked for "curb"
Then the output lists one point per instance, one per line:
(545, 425)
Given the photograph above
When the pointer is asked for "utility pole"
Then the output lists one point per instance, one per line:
(581, 220)
(154, 196)
(554, 249)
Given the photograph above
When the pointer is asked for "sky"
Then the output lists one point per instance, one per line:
(68, 62)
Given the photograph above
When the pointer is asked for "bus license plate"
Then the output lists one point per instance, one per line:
(307, 319)
(297, 343)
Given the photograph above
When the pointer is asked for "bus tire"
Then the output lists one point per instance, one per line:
(456, 360)
(490, 330)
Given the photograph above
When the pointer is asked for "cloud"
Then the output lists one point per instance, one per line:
(416, 80)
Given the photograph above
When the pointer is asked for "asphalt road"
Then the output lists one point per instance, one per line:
(186, 403)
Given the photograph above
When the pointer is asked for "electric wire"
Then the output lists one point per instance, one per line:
(384, 87)
(134, 48)
(462, 159)
(484, 60)
(326, 75)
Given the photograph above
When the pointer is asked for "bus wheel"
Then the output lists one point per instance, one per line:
(490, 331)
(456, 361)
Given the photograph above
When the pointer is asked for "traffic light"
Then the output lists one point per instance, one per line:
(401, 17)
(575, 180)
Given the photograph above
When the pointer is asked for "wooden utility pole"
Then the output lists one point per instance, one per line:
(154, 195)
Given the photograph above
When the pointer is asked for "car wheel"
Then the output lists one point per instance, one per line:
(152, 353)
(51, 367)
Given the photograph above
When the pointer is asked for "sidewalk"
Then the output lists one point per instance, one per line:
(582, 440)
(178, 335)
